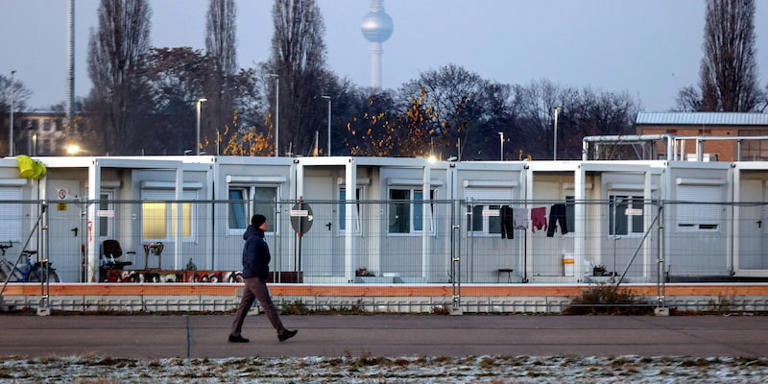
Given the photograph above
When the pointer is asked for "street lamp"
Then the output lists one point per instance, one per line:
(554, 152)
(198, 105)
(10, 137)
(73, 149)
(501, 140)
(277, 111)
(329, 122)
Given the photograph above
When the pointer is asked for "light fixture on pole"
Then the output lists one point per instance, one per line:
(10, 137)
(329, 122)
(277, 111)
(501, 140)
(554, 152)
(198, 105)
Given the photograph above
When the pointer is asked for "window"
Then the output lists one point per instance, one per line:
(570, 213)
(106, 222)
(481, 224)
(47, 146)
(159, 216)
(59, 125)
(343, 210)
(47, 125)
(406, 214)
(10, 228)
(699, 217)
(617, 209)
(246, 201)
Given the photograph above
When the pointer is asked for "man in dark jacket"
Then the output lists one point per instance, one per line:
(255, 270)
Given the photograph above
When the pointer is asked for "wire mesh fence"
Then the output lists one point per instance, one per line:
(410, 239)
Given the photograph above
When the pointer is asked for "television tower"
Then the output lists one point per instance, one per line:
(377, 28)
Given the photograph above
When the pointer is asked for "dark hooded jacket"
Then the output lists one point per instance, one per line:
(255, 254)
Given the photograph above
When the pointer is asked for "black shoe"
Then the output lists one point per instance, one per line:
(287, 335)
(237, 339)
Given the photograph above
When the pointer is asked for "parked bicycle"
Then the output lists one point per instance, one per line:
(27, 271)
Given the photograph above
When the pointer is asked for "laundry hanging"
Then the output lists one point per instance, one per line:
(557, 216)
(520, 219)
(538, 218)
(507, 222)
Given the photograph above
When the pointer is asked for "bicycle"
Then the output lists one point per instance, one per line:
(29, 271)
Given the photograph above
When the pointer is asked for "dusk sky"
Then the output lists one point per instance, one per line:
(650, 48)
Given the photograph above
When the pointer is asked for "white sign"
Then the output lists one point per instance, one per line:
(634, 211)
(299, 213)
(490, 212)
(105, 213)
(62, 193)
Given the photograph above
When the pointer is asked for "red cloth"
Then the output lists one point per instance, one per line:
(538, 218)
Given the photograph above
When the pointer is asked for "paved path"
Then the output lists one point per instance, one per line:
(386, 335)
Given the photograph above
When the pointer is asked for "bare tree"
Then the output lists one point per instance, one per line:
(220, 48)
(21, 95)
(728, 69)
(298, 57)
(115, 51)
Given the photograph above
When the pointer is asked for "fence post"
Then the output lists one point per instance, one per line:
(456, 258)
(660, 278)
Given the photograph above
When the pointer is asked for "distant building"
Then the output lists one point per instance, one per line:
(702, 124)
(39, 133)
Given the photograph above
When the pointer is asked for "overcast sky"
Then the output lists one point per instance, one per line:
(650, 48)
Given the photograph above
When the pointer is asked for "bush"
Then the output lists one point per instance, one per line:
(606, 300)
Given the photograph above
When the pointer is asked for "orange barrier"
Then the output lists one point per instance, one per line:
(206, 289)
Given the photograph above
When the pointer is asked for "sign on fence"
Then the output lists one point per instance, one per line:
(490, 212)
(634, 211)
(301, 218)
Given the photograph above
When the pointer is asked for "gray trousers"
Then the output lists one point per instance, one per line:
(256, 289)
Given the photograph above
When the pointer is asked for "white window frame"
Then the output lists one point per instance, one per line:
(486, 221)
(250, 188)
(630, 196)
(110, 192)
(14, 221)
(186, 195)
(412, 191)
(360, 211)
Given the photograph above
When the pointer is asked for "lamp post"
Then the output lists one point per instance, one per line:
(10, 137)
(329, 122)
(198, 105)
(501, 140)
(277, 112)
(554, 151)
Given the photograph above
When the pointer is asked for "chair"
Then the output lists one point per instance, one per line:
(155, 249)
(112, 252)
(508, 271)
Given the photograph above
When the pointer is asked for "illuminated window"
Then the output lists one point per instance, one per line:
(159, 216)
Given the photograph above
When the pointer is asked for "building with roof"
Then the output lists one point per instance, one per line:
(38, 132)
(688, 125)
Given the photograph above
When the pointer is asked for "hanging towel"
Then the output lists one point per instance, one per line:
(557, 215)
(538, 218)
(507, 222)
(521, 216)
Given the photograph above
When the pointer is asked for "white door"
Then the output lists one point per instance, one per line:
(66, 236)
(752, 227)
(317, 249)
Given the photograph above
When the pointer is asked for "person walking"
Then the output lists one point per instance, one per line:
(255, 271)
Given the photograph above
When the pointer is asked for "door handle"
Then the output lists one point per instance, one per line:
(759, 223)
(328, 225)
(75, 229)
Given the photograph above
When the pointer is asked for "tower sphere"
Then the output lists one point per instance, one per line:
(377, 26)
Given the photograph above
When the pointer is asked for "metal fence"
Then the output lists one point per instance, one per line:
(409, 240)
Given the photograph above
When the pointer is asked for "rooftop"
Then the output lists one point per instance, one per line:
(701, 118)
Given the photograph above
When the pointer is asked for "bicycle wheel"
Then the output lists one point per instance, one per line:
(35, 275)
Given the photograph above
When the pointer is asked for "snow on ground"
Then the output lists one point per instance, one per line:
(368, 369)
